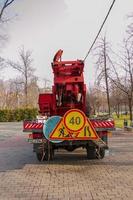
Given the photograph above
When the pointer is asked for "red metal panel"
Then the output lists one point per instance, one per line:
(32, 126)
(29, 125)
(103, 124)
(45, 103)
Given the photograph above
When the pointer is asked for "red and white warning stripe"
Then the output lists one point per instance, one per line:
(96, 124)
(31, 125)
(105, 124)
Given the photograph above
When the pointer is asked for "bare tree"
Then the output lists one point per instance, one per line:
(12, 93)
(16, 89)
(2, 94)
(96, 101)
(4, 17)
(117, 100)
(25, 69)
(130, 27)
(3, 7)
(2, 62)
(122, 73)
(101, 52)
(33, 92)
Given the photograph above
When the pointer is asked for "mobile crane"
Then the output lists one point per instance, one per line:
(64, 122)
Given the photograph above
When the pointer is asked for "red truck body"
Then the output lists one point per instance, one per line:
(68, 92)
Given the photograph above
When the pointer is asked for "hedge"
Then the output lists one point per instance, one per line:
(7, 115)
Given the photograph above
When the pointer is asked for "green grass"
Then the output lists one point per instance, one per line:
(119, 122)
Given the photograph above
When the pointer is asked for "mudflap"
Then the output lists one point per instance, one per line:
(44, 151)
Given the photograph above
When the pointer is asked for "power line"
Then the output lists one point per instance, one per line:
(100, 29)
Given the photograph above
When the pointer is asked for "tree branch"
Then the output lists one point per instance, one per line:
(5, 5)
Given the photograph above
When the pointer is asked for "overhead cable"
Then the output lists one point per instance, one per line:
(100, 29)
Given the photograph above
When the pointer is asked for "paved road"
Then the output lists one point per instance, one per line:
(70, 176)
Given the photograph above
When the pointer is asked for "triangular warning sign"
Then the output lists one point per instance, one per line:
(88, 132)
(61, 133)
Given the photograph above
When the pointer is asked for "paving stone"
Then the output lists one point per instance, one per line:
(69, 176)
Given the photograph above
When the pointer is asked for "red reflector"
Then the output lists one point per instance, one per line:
(35, 135)
(31, 136)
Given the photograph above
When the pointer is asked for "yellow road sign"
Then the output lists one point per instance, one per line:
(88, 132)
(61, 132)
(71, 128)
(74, 120)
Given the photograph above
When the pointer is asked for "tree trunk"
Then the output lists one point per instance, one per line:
(26, 87)
(130, 108)
(106, 78)
(118, 110)
(26, 95)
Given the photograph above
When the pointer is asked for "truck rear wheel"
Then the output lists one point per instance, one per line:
(41, 156)
(91, 152)
(101, 153)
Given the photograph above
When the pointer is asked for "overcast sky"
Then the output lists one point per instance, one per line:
(44, 26)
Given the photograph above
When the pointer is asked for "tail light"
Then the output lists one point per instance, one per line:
(36, 136)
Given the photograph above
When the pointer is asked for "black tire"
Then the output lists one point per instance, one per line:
(51, 154)
(91, 152)
(41, 157)
(46, 155)
(102, 153)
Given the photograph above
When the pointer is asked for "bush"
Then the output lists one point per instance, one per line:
(18, 114)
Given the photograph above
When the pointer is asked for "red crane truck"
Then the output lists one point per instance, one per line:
(63, 121)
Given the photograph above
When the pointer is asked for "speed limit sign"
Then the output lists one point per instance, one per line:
(74, 120)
